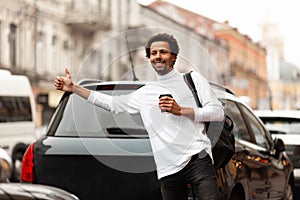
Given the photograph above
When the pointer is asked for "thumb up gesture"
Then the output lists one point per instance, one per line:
(64, 83)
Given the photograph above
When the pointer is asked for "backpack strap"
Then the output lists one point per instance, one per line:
(189, 81)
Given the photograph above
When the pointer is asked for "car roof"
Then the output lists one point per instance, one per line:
(278, 113)
(90, 82)
(221, 91)
(218, 88)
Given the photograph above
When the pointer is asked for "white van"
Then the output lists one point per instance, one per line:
(17, 117)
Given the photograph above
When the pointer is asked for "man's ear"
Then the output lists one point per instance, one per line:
(174, 57)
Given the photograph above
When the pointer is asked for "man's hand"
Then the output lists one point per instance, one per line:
(170, 105)
(64, 83)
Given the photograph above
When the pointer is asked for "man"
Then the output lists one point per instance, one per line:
(181, 149)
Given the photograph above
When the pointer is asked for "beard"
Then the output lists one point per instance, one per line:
(161, 68)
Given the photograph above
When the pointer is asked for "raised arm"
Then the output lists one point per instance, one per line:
(67, 85)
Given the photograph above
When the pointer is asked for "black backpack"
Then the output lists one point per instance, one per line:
(219, 132)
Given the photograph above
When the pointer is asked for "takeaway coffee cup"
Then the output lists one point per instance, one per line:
(163, 95)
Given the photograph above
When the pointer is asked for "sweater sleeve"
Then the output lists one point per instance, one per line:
(115, 104)
(212, 109)
(101, 100)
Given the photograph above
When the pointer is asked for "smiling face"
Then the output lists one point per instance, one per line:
(161, 58)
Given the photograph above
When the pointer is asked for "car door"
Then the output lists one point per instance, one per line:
(275, 177)
(252, 161)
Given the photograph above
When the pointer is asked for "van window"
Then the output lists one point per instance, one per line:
(15, 109)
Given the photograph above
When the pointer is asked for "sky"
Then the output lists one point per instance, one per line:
(249, 15)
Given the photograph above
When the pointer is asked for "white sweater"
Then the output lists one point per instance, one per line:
(174, 139)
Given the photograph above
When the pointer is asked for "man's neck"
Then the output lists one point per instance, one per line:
(167, 75)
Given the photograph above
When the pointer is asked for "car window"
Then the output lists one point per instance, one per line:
(257, 128)
(286, 124)
(240, 129)
(78, 118)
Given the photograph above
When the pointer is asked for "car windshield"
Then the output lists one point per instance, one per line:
(283, 125)
(77, 118)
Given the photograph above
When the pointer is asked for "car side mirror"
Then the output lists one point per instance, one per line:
(279, 147)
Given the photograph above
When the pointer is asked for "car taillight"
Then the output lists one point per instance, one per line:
(27, 173)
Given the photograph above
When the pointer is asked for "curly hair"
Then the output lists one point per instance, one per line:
(163, 37)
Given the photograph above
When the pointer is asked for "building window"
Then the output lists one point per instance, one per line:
(40, 46)
(12, 44)
(54, 55)
(109, 9)
(0, 42)
(100, 6)
(128, 12)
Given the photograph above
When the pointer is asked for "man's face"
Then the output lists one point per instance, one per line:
(161, 57)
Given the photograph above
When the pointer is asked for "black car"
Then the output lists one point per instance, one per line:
(96, 154)
(285, 124)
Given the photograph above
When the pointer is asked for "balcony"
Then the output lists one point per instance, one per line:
(86, 17)
(136, 36)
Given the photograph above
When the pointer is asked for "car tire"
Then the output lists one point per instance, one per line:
(237, 195)
(17, 164)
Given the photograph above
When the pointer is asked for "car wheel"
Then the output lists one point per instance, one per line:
(289, 195)
(237, 195)
(17, 165)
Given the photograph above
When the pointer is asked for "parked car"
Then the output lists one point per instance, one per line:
(17, 118)
(5, 166)
(22, 191)
(94, 153)
(285, 124)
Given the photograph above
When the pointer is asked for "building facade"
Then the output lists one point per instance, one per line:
(104, 39)
(199, 47)
(39, 38)
(244, 68)
(248, 68)
(283, 77)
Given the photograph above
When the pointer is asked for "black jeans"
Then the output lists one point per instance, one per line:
(199, 173)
